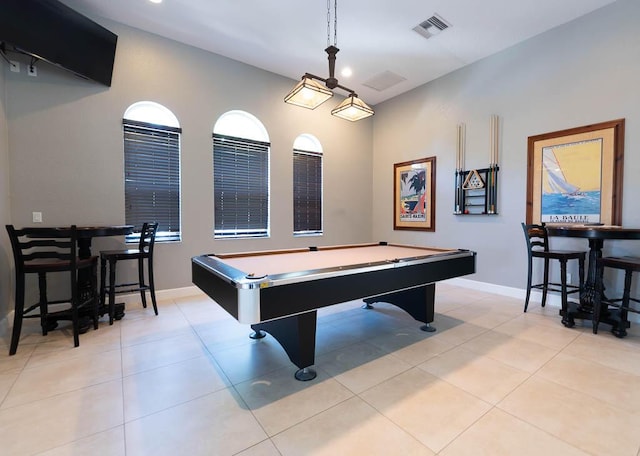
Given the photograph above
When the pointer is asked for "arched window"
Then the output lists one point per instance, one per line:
(240, 176)
(151, 112)
(307, 185)
(152, 169)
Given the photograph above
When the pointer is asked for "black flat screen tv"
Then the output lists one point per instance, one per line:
(51, 31)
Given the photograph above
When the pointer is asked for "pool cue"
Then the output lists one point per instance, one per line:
(458, 176)
(493, 164)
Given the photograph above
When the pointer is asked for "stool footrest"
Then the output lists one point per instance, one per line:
(617, 303)
(131, 290)
(552, 287)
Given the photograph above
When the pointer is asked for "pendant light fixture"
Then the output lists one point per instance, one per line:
(310, 94)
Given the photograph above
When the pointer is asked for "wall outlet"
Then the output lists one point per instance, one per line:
(32, 70)
(37, 217)
(14, 66)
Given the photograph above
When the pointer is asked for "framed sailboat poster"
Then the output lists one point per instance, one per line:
(575, 176)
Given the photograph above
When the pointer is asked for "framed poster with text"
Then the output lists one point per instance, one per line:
(414, 202)
(575, 175)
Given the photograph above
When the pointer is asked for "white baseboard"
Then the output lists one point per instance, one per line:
(130, 299)
(517, 293)
(553, 299)
(490, 288)
(173, 293)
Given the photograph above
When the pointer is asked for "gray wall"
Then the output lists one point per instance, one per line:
(65, 140)
(584, 72)
(5, 250)
(66, 158)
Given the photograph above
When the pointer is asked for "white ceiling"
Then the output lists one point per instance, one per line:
(288, 37)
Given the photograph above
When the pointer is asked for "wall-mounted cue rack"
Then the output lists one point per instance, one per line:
(476, 190)
(477, 193)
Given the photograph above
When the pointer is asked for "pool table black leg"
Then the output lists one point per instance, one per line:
(297, 335)
(417, 302)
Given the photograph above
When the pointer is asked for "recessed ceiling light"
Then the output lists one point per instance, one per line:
(346, 72)
(155, 1)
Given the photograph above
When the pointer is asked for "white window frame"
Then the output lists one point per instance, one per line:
(160, 132)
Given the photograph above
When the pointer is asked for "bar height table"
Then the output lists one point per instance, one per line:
(596, 235)
(85, 236)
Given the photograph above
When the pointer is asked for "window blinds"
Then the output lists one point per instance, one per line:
(307, 192)
(152, 177)
(240, 187)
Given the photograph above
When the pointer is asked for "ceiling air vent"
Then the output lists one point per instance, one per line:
(432, 26)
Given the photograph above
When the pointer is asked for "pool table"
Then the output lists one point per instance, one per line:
(280, 291)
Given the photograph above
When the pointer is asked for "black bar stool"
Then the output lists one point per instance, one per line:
(42, 251)
(142, 253)
(538, 247)
(629, 265)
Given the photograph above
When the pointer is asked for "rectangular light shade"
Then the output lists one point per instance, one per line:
(352, 108)
(308, 94)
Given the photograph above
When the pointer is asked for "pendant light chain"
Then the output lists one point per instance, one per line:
(335, 23)
(328, 22)
(310, 94)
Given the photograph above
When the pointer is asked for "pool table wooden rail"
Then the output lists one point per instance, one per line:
(219, 265)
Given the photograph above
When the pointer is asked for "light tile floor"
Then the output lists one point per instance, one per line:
(490, 381)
